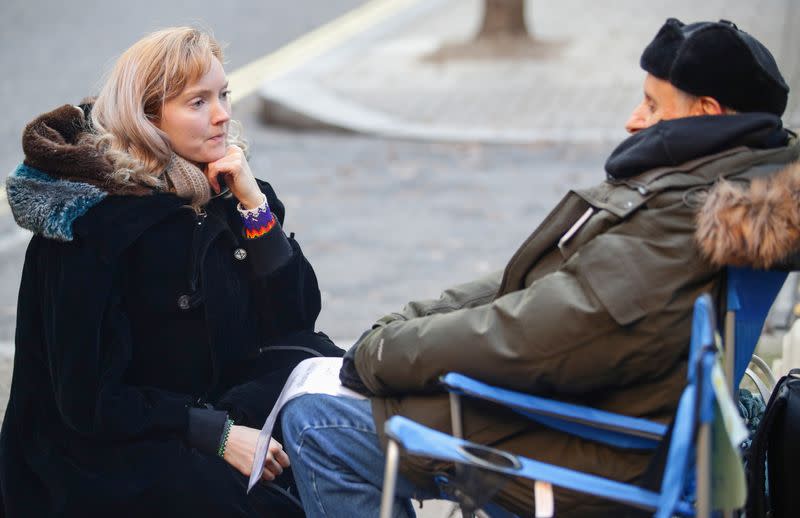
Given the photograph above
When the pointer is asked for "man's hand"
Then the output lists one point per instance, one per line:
(241, 449)
(348, 374)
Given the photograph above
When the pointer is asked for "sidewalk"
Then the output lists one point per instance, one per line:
(582, 89)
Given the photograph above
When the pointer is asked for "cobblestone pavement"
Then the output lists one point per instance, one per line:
(383, 221)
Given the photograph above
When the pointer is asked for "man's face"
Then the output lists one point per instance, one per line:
(661, 102)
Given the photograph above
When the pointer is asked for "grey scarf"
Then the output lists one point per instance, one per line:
(188, 181)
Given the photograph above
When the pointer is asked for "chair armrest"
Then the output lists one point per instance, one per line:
(419, 440)
(590, 423)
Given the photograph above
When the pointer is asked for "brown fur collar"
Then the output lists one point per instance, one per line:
(55, 143)
(756, 225)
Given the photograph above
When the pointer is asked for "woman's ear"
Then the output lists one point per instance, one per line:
(155, 120)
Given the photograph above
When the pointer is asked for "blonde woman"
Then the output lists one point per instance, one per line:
(161, 306)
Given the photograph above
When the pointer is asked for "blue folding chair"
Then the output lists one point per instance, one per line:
(749, 297)
(692, 421)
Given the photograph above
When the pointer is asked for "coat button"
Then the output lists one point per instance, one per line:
(183, 302)
(240, 254)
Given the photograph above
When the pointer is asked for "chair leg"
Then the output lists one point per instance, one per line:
(390, 478)
(704, 471)
(730, 351)
(455, 416)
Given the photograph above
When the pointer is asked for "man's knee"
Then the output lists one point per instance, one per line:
(294, 417)
(331, 416)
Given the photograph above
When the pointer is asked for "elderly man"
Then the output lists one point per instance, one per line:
(595, 306)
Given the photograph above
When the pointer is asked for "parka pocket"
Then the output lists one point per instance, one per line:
(591, 224)
(620, 271)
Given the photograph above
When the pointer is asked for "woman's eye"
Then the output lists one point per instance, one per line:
(198, 103)
(225, 94)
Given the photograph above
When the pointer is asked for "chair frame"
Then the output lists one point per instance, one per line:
(695, 412)
(749, 295)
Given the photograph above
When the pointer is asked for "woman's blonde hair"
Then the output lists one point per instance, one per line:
(151, 72)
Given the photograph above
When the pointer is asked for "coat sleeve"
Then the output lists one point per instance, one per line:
(466, 295)
(87, 347)
(580, 328)
(285, 285)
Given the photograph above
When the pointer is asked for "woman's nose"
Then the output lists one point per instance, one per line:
(222, 113)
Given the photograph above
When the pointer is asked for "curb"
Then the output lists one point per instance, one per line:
(303, 105)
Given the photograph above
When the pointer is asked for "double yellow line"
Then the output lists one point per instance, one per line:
(246, 80)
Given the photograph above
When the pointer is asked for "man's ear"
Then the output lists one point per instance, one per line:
(705, 105)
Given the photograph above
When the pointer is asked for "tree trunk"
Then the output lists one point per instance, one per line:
(503, 18)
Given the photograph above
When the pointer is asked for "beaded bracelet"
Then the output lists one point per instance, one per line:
(224, 441)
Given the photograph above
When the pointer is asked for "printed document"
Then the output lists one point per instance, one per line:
(312, 376)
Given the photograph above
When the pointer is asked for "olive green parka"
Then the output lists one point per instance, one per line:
(595, 308)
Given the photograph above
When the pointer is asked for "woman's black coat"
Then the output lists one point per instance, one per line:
(140, 323)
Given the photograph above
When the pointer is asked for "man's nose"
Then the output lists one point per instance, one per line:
(636, 121)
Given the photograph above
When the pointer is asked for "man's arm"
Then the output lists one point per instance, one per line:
(466, 295)
(596, 322)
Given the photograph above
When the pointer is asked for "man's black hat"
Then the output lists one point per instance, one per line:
(720, 61)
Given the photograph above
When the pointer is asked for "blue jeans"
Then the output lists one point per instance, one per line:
(337, 459)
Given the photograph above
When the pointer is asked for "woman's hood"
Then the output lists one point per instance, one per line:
(755, 225)
(59, 143)
(63, 174)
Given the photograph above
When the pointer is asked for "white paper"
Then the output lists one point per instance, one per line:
(312, 376)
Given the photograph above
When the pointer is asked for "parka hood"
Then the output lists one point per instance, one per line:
(756, 225)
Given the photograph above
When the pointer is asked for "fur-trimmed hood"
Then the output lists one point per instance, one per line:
(63, 174)
(58, 142)
(755, 225)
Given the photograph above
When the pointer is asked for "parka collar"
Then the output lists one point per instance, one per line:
(675, 142)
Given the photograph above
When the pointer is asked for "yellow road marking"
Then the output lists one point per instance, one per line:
(246, 80)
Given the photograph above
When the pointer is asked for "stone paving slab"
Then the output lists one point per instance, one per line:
(383, 84)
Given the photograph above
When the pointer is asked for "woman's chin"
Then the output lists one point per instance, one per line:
(205, 158)
(215, 154)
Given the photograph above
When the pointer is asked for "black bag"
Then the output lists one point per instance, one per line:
(777, 441)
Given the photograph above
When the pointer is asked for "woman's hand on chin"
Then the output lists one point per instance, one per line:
(240, 180)
(241, 448)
